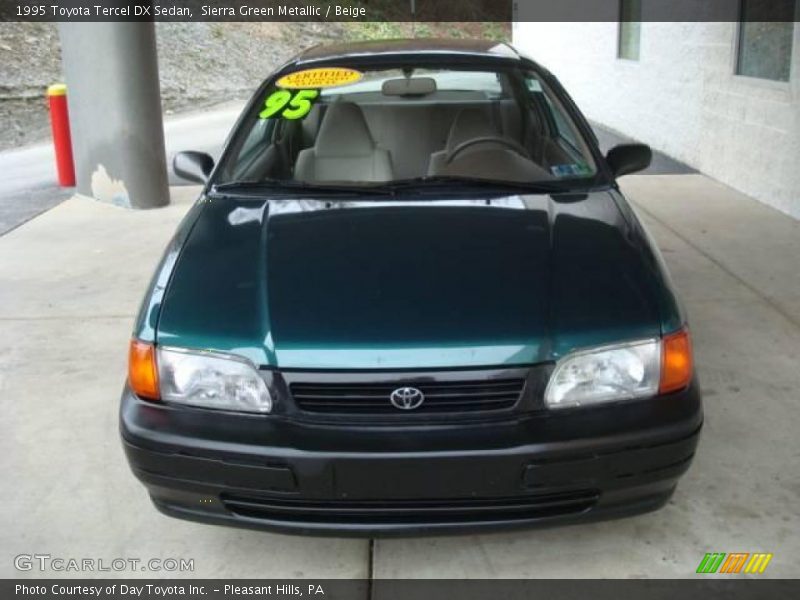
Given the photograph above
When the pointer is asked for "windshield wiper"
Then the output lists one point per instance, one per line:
(417, 185)
(298, 187)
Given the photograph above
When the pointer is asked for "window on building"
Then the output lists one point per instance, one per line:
(630, 29)
(765, 47)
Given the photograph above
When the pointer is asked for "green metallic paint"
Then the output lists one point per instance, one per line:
(304, 284)
(146, 323)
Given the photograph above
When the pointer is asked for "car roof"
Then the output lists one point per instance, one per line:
(409, 47)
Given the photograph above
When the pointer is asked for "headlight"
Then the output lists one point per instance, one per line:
(606, 374)
(211, 380)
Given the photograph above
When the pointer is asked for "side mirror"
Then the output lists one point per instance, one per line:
(194, 166)
(629, 158)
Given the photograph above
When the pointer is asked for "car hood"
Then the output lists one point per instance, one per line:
(310, 284)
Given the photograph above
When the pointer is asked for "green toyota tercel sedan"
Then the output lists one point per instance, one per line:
(411, 298)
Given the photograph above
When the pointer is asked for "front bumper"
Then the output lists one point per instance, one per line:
(283, 475)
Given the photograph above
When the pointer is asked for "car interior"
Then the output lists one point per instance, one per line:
(406, 129)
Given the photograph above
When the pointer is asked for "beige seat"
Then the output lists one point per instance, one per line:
(344, 150)
(486, 160)
(470, 123)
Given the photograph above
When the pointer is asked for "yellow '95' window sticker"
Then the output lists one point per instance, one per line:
(288, 104)
(319, 78)
(299, 90)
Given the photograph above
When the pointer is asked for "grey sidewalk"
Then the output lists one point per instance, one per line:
(73, 278)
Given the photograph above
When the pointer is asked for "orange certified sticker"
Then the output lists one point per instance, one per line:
(319, 78)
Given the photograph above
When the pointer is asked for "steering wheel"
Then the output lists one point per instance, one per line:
(491, 139)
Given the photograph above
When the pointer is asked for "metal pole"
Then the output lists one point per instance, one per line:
(115, 112)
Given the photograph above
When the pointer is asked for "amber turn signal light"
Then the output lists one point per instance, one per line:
(142, 372)
(676, 362)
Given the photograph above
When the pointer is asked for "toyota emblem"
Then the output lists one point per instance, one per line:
(407, 398)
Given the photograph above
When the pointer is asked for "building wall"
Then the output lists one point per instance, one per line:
(683, 99)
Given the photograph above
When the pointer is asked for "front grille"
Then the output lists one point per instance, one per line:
(385, 512)
(440, 397)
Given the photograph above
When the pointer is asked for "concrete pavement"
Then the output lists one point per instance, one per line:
(72, 279)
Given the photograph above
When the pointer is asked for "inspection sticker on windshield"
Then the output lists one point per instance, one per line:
(319, 78)
(570, 169)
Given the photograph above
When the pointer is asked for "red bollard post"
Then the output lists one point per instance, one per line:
(62, 141)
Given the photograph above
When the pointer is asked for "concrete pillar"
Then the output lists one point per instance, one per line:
(115, 112)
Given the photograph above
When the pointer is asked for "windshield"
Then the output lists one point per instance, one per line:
(354, 127)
